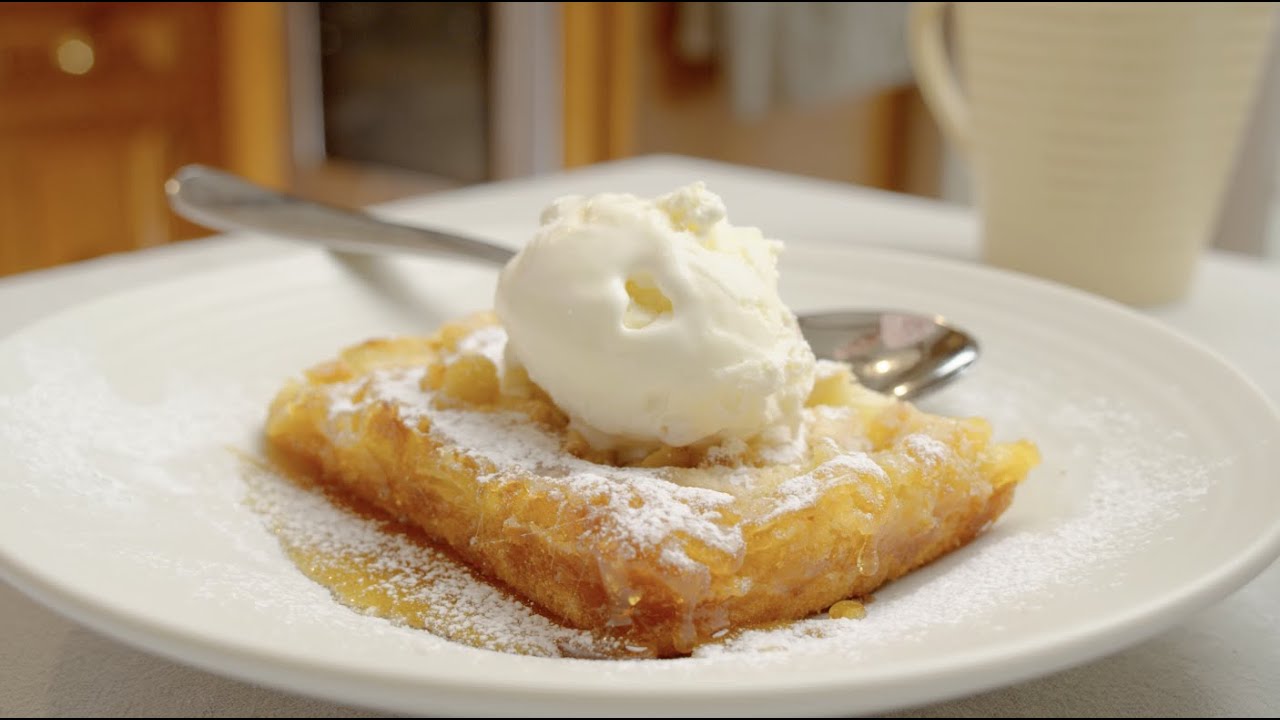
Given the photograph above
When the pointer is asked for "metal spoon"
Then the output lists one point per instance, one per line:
(903, 354)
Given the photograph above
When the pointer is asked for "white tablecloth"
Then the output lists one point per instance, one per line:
(1224, 661)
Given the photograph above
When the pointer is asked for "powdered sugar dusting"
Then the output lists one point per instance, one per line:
(76, 435)
(1110, 478)
(803, 490)
(931, 450)
(489, 341)
(425, 587)
(121, 479)
(787, 450)
(511, 444)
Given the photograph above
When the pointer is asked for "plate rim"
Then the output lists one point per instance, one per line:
(947, 676)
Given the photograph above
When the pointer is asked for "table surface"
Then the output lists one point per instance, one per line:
(1223, 661)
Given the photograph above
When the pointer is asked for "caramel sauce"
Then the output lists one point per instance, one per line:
(377, 565)
(386, 568)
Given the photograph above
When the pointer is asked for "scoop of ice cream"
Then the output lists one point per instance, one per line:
(656, 321)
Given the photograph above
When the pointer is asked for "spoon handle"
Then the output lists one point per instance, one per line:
(223, 201)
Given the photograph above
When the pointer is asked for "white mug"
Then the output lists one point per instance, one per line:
(1101, 135)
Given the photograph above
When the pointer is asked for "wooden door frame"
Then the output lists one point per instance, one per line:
(601, 47)
(256, 91)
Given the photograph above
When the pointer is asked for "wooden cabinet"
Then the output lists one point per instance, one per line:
(83, 188)
(99, 103)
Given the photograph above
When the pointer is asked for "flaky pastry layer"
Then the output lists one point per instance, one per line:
(678, 545)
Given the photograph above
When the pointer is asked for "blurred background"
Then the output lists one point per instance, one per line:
(359, 103)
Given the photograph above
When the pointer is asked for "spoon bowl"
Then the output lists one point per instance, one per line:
(897, 353)
(902, 354)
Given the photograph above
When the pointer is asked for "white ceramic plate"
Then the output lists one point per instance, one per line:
(120, 502)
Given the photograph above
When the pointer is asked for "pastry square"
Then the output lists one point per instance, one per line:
(664, 551)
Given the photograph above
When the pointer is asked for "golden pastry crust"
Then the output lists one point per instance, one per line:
(672, 550)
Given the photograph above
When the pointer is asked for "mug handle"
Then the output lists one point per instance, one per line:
(926, 41)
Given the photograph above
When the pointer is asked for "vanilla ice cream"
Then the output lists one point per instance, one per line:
(654, 321)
